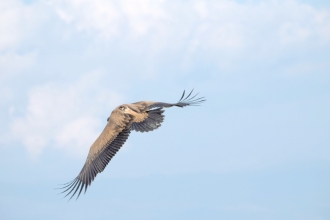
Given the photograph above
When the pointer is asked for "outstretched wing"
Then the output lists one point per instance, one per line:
(104, 148)
(155, 110)
(189, 100)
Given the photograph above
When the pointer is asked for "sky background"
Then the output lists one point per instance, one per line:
(259, 148)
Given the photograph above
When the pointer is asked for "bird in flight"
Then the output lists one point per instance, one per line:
(141, 116)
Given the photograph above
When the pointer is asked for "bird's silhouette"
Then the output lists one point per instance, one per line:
(141, 116)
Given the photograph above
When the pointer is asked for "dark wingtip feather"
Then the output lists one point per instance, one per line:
(71, 186)
(182, 95)
(190, 100)
(81, 188)
(65, 184)
(75, 190)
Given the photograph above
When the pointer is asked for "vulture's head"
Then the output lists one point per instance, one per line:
(126, 109)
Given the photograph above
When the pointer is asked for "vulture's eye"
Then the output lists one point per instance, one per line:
(121, 107)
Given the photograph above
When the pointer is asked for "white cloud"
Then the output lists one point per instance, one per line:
(12, 62)
(222, 29)
(9, 17)
(16, 22)
(64, 116)
(5, 94)
(214, 25)
(303, 23)
(108, 19)
(84, 15)
(59, 115)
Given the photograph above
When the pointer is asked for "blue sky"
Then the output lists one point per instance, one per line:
(257, 149)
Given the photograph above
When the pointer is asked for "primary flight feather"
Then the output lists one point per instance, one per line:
(141, 116)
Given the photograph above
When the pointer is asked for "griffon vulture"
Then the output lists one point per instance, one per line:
(141, 116)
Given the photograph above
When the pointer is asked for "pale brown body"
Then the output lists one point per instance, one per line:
(117, 122)
(141, 116)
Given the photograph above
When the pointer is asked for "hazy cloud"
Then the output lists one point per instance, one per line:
(208, 24)
(12, 62)
(18, 22)
(64, 116)
(57, 113)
